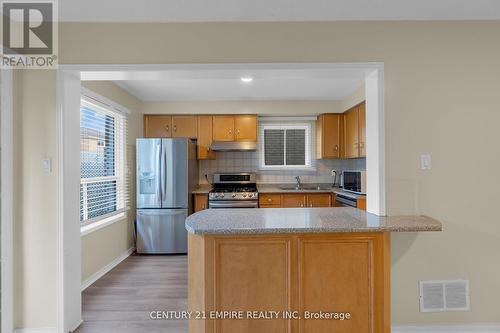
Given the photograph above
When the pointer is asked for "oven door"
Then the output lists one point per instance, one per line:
(233, 204)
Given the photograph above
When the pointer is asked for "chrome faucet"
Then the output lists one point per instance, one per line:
(299, 184)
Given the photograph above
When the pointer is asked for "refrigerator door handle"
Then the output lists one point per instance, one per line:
(163, 168)
(160, 175)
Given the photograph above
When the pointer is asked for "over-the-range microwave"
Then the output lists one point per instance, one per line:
(354, 181)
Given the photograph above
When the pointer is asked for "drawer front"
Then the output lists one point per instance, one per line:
(269, 199)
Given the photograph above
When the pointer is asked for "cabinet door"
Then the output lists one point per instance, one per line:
(252, 274)
(293, 200)
(200, 202)
(269, 200)
(204, 143)
(157, 126)
(184, 127)
(362, 129)
(245, 128)
(351, 133)
(319, 200)
(223, 128)
(336, 275)
(328, 127)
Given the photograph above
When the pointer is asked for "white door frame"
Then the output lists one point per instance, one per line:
(69, 248)
(7, 232)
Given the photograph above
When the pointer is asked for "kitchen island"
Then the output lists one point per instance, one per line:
(292, 270)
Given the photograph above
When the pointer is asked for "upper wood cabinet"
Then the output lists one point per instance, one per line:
(245, 128)
(205, 151)
(351, 133)
(223, 128)
(328, 135)
(184, 127)
(355, 132)
(157, 126)
(362, 129)
(160, 126)
(235, 128)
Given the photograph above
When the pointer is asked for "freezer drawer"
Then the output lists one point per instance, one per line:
(161, 231)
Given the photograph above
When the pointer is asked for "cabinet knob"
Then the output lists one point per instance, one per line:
(208, 148)
(301, 205)
(310, 204)
(230, 131)
(175, 128)
(238, 131)
(336, 147)
(167, 128)
(269, 200)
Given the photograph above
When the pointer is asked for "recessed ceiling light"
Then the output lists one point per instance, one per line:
(246, 79)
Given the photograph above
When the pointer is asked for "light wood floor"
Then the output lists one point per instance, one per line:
(121, 301)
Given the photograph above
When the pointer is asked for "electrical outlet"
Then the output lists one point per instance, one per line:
(333, 172)
(47, 165)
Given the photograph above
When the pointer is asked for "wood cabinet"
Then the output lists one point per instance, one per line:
(235, 128)
(245, 128)
(200, 202)
(355, 132)
(157, 126)
(293, 200)
(329, 135)
(269, 200)
(161, 126)
(204, 143)
(319, 200)
(296, 200)
(362, 129)
(184, 127)
(223, 128)
(344, 272)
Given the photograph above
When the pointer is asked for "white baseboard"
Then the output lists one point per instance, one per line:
(36, 330)
(477, 328)
(100, 273)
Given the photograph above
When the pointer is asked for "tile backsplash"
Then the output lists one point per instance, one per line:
(249, 162)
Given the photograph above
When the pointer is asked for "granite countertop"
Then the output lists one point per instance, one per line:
(275, 188)
(202, 189)
(302, 220)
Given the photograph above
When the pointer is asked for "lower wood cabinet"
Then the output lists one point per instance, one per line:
(293, 200)
(200, 202)
(296, 200)
(347, 272)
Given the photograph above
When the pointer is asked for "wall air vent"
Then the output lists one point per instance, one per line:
(445, 295)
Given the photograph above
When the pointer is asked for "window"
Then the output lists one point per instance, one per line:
(103, 134)
(285, 146)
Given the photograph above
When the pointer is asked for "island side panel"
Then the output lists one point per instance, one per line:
(197, 282)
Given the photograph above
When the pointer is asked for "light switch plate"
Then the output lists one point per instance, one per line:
(425, 161)
(47, 165)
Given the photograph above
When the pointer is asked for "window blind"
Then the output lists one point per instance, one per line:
(103, 181)
(286, 146)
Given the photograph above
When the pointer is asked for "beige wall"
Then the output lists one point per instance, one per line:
(239, 107)
(101, 247)
(441, 88)
(35, 191)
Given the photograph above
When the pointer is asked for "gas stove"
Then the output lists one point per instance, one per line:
(234, 190)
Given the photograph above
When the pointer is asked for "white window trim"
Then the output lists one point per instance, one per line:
(110, 107)
(308, 147)
(104, 221)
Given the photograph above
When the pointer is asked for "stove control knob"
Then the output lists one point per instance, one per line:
(244, 195)
(222, 195)
(233, 195)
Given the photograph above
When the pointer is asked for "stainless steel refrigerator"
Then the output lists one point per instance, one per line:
(167, 173)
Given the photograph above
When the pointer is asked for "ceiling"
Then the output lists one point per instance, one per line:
(226, 84)
(275, 10)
